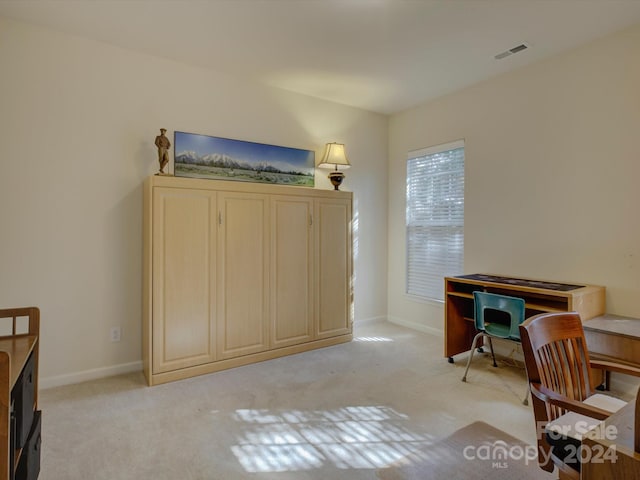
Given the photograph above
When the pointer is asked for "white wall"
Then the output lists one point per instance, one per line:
(77, 125)
(552, 173)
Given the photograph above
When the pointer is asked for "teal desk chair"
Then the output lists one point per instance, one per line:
(513, 306)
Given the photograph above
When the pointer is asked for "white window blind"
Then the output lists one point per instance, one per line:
(435, 218)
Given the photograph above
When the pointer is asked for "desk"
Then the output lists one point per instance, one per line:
(627, 463)
(613, 338)
(539, 295)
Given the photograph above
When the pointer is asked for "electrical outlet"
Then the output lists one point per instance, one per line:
(116, 334)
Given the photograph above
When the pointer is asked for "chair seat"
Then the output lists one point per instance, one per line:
(605, 402)
(498, 330)
(575, 425)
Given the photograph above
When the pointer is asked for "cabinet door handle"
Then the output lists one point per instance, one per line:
(219, 218)
(310, 220)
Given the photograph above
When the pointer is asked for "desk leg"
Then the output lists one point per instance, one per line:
(450, 360)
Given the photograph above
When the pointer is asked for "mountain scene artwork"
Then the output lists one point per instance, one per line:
(203, 156)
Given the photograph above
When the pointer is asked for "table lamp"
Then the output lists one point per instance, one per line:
(334, 155)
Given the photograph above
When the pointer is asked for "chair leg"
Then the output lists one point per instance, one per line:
(473, 348)
(493, 356)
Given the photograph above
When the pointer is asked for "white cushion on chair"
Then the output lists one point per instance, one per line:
(605, 402)
(575, 425)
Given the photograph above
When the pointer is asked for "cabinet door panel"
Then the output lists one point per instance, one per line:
(243, 256)
(333, 267)
(292, 270)
(183, 276)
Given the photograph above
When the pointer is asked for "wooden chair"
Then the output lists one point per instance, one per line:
(612, 451)
(562, 388)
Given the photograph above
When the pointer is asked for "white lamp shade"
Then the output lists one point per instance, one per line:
(334, 155)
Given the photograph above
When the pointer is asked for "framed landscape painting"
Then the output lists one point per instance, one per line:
(202, 156)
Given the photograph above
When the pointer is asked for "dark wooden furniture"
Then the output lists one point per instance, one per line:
(614, 338)
(19, 415)
(556, 359)
(614, 452)
(540, 296)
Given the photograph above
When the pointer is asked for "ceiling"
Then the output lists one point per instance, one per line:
(380, 55)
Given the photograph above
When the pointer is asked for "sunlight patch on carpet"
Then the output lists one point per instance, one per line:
(363, 437)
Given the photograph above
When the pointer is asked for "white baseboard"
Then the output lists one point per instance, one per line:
(416, 326)
(370, 320)
(77, 377)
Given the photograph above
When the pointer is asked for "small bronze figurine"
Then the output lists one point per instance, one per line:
(163, 145)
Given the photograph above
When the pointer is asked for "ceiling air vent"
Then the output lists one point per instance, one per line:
(511, 51)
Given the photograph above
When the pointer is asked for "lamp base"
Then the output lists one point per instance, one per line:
(336, 179)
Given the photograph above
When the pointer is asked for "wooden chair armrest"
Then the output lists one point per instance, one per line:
(615, 367)
(549, 396)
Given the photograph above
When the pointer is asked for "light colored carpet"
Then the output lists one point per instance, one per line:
(336, 413)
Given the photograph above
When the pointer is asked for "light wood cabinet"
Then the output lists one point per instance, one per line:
(292, 246)
(184, 267)
(236, 273)
(243, 259)
(333, 259)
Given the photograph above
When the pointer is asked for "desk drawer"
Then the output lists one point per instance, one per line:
(614, 347)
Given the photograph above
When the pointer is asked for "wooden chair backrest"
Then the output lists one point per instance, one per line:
(556, 356)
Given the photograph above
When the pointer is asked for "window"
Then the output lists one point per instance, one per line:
(435, 218)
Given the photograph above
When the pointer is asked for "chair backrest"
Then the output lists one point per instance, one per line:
(503, 303)
(556, 357)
